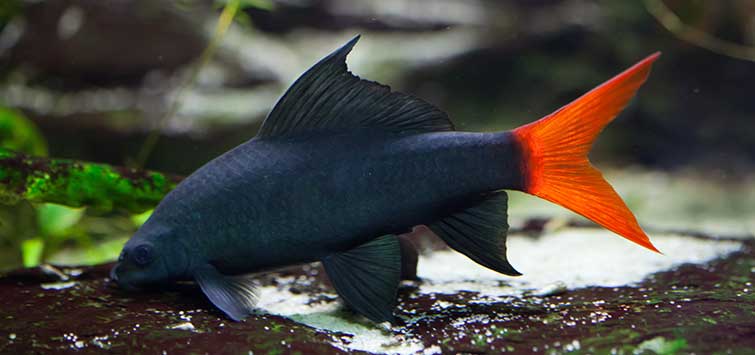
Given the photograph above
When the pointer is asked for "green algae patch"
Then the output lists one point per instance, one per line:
(79, 184)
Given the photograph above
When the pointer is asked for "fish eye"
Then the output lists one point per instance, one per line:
(142, 254)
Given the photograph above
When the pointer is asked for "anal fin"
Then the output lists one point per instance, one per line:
(367, 277)
(479, 231)
(236, 296)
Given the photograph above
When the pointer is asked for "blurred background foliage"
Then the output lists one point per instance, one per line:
(168, 85)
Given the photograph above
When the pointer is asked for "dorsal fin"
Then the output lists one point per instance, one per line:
(329, 98)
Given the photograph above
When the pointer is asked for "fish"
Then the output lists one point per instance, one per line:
(343, 166)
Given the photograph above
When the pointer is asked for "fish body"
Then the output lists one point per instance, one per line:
(342, 166)
(276, 202)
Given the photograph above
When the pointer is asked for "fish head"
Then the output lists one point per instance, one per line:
(153, 256)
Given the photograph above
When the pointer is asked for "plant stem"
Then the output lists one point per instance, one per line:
(224, 22)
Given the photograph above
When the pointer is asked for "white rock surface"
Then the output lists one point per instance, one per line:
(573, 257)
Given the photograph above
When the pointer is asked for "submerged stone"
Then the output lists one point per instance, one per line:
(602, 299)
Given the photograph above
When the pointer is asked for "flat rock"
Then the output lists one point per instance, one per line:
(584, 291)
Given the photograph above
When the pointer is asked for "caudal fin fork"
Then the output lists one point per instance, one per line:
(554, 154)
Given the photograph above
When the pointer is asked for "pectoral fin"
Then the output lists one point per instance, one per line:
(236, 296)
(368, 276)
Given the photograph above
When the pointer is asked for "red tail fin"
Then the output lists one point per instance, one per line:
(555, 154)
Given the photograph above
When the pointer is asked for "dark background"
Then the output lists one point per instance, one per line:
(96, 86)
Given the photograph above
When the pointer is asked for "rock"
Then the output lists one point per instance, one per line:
(84, 42)
(700, 305)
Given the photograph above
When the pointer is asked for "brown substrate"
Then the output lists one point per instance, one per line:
(694, 308)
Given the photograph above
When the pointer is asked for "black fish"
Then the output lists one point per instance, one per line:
(343, 165)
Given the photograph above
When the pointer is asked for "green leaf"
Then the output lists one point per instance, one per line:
(97, 253)
(19, 134)
(31, 251)
(56, 220)
(662, 346)
(140, 218)
(105, 251)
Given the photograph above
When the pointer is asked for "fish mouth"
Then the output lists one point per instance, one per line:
(114, 279)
